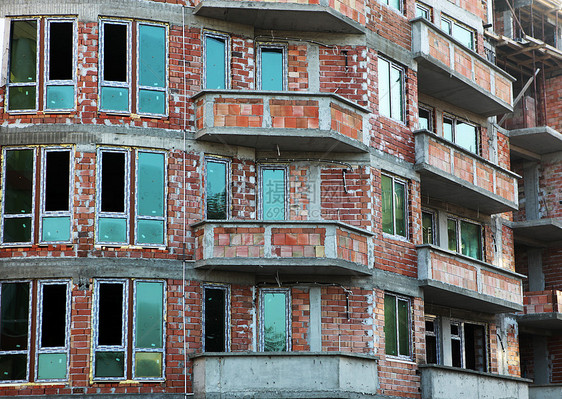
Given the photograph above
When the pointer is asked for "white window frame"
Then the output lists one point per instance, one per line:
(458, 221)
(454, 119)
(227, 162)
(226, 39)
(48, 82)
(39, 318)
(37, 69)
(421, 6)
(451, 22)
(164, 89)
(284, 52)
(433, 225)
(429, 109)
(288, 318)
(403, 98)
(461, 337)
(226, 290)
(108, 83)
(261, 193)
(398, 297)
(435, 333)
(406, 211)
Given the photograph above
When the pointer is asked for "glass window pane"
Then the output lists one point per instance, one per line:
(22, 98)
(471, 240)
(13, 367)
(384, 87)
(112, 230)
(390, 336)
(387, 206)
(448, 129)
(463, 35)
(113, 182)
(465, 136)
(19, 181)
(273, 195)
(61, 51)
(216, 190)
(57, 173)
(215, 63)
(271, 69)
(53, 317)
(151, 184)
(215, 319)
(452, 234)
(152, 55)
(150, 232)
(396, 103)
(456, 352)
(60, 97)
(425, 119)
(152, 102)
(110, 364)
(23, 54)
(422, 12)
(403, 328)
(17, 230)
(115, 54)
(394, 4)
(149, 315)
(115, 99)
(52, 366)
(56, 229)
(110, 314)
(400, 208)
(427, 228)
(148, 365)
(14, 316)
(274, 322)
(446, 26)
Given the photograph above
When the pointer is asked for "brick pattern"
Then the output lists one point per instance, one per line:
(463, 63)
(451, 271)
(237, 242)
(294, 114)
(553, 93)
(352, 247)
(298, 242)
(542, 301)
(346, 122)
(242, 63)
(300, 319)
(297, 68)
(503, 89)
(439, 48)
(243, 189)
(234, 112)
(300, 193)
(501, 286)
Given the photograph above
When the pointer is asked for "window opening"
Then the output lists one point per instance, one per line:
(393, 206)
(215, 315)
(428, 227)
(431, 340)
(464, 237)
(397, 325)
(273, 193)
(151, 197)
(423, 11)
(22, 81)
(114, 91)
(425, 119)
(456, 345)
(461, 133)
(216, 195)
(152, 69)
(391, 92)
(272, 67)
(60, 65)
(459, 32)
(396, 4)
(275, 325)
(216, 70)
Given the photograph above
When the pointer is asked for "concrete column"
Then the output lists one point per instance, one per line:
(536, 276)
(313, 69)
(315, 326)
(540, 356)
(445, 330)
(531, 186)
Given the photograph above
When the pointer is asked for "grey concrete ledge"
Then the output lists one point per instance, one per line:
(282, 223)
(457, 147)
(104, 396)
(540, 140)
(540, 232)
(290, 95)
(286, 354)
(473, 372)
(467, 259)
(544, 321)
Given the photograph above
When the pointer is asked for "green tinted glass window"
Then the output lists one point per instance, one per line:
(115, 99)
(452, 234)
(471, 242)
(149, 315)
(112, 230)
(400, 208)
(403, 328)
(151, 184)
(56, 229)
(21, 97)
(60, 97)
(275, 321)
(150, 231)
(273, 194)
(17, 230)
(13, 367)
(52, 366)
(148, 364)
(465, 136)
(19, 181)
(152, 55)
(387, 205)
(272, 69)
(152, 102)
(427, 228)
(14, 316)
(215, 63)
(396, 326)
(110, 364)
(23, 52)
(390, 331)
(216, 190)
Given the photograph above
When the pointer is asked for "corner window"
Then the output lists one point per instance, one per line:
(272, 67)
(469, 346)
(121, 78)
(275, 320)
(393, 206)
(464, 237)
(216, 178)
(117, 170)
(423, 11)
(428, 227)
(461, 133)
(216, 61)
(20, 224)
(52, 314)
(397, 325)
(56, 43)
(391, 90)
(215, 318)
(115, 356)
(461, 33)
(273, 192)
(425, 118)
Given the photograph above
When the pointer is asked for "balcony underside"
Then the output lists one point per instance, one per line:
(279, 16)
(284, 266)
(439, 293)
(540, 321)
(538, 233)
(450, 86)
(536, 140)
(283, 139)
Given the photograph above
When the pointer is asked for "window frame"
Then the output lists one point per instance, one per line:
(435, 333)
(261, 194)
(228, 180)
(101, 71)
(285, 64)
(398, 297)
(226, 289)
(396, 180)
(46, 60)
(39, 318)
(462, 338)
(164, 89)
(458, 223)
(288, 318)
(403, 97)
(399, 10)
(454, 121)
(433, 226)
(431, 112)
(35, 84)
(426, 8)
(451, 21)
(218, 36)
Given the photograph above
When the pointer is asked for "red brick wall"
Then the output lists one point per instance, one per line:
(554, 103)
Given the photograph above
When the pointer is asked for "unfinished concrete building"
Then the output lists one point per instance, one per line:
(233, 199)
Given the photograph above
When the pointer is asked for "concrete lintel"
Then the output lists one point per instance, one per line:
(389, 281)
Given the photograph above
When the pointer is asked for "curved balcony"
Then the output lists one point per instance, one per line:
(284, 375)
(290, 247)
(455, 175)
(455, 280)
(449, 71)
(285, 121)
